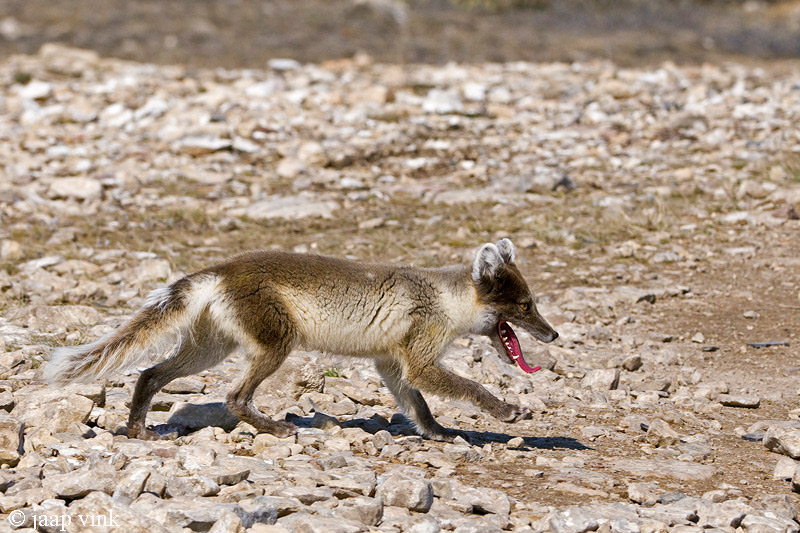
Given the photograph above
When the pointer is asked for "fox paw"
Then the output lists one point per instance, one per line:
(447, 435)
(440, 433)
(283, 429)
(277, 428)
(518, 413)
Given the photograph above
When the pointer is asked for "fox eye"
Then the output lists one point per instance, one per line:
(525, 306)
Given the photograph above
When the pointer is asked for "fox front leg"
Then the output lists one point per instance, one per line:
(412, 403)
(437, 380)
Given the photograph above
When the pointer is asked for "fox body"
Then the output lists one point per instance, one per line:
(269, 303)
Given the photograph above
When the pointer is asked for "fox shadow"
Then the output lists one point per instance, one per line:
(475, 438)
(193, 417)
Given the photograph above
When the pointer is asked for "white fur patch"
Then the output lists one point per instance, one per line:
(506, 249)
(158, 298)
(462, 309)
(487, 261)
(139, 346)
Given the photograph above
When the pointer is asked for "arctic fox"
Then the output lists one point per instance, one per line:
(270, 302)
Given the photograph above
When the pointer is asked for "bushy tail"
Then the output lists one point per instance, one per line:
(165, 318)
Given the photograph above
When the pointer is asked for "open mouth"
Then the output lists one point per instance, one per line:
(511, 344)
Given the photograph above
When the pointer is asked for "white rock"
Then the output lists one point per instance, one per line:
(784, 469)
(52, 409)
(601, 379)
(78, 188)
(784, 441)
(10, 251)
(10, 439)
(35, 90)
(292, 207)
(198, 145)
(442, 102)
(398, 489)
(660, 434)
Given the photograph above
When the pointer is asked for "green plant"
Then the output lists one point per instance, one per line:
(331, 372)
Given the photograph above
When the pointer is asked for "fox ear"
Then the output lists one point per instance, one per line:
(487, 261)
(506, 249)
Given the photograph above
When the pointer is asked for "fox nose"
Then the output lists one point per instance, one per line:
(555, 336)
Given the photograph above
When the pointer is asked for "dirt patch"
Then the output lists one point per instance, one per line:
(247, 33)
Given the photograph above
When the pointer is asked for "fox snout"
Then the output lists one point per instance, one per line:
(541, 330)
(549, 337)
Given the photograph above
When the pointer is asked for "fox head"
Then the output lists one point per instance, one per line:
(505, 297)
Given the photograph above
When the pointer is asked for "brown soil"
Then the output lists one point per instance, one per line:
(246, 33)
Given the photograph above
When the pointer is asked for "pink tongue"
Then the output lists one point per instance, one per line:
(514, 351)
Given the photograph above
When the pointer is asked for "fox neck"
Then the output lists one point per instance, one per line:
(461, 304)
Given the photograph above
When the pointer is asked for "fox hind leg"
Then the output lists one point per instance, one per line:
(411, 402)
(240, 399)
(203, 348)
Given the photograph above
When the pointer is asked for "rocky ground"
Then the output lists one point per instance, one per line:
(655, 214)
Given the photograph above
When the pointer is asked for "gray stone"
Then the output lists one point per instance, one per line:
(100, 476)
(601, 379)
(632, 363)
(307, 523)
(784, 469)
(570, 520)
(228, 522)
(196, 458)
(53, 409)
(660, 434)
(415, 494)
(715, 496)
(358, 392)
(198, 145)
(368, 511)
(191, 486)
(382, 438)
(131, 485)
(783, 441)
(644, 493)
(725, 514)
(201, 515)
(463, 453)
(192, 417)
(78, 188)
(352, 480)
(777, 505)
(291, 207)
(187, 385)
(307, 494)
(10, 439)
(480, 500)
(762, 524)
(682, 512)
(227, 471)
(258, 510)
(104, 508)
(10, 251)
(309, 379)
(748, 401)
(156, 484)
(669, 468)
